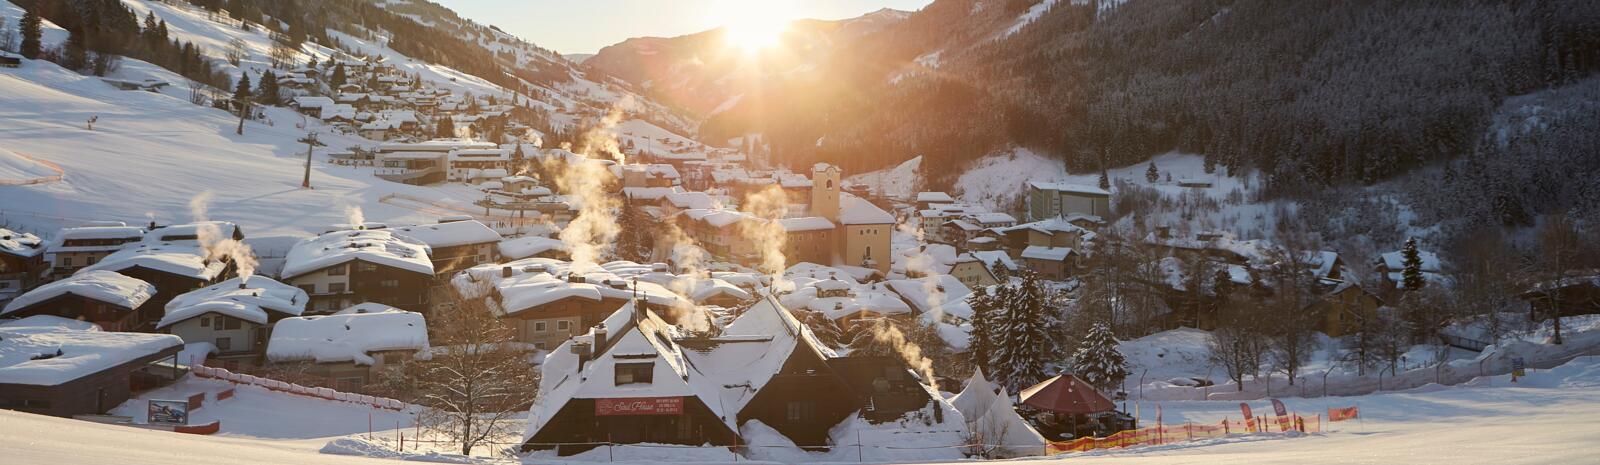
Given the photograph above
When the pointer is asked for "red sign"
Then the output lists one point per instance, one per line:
(639, 406)
(1342, 414)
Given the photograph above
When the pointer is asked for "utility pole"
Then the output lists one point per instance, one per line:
(311, 144)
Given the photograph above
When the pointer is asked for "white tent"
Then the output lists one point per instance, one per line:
(993, 421)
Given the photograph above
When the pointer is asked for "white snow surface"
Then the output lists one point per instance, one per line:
(452, 234)
(104, 286)
(347, 336)
(380, 247)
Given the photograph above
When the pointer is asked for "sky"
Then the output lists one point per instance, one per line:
(586, 26)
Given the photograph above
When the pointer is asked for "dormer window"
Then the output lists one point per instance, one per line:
(635, 373)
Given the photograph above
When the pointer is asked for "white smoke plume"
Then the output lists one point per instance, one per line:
(591, 234)
(353, 216)
(889, 335)
(767, 234)
(214, 244)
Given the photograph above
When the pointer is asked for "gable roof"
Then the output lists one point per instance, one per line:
(380, 247)
(347, 336)
(104, 286)
(245, 299)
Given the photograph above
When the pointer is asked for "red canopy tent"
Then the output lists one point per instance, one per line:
(1066, 394)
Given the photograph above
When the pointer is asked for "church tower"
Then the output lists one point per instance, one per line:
(825, 191)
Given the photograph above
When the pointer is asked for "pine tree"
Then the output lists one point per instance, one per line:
(446, 128)
(267, 88)
(1152, 174)
(1098, 362)
(1027, 322)
(241, 91)
(30, 35)
(986, 317)
(1411, 275)
(1105, 180)
(338, 76)
(1210, 163)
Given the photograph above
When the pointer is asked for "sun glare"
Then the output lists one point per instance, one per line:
(754, 25)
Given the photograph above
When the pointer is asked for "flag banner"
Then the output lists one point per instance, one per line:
(1283, 414)
(1342, 414)
(1249, 418)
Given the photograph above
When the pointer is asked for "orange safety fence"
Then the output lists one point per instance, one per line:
(1177, 433)
(295, 389)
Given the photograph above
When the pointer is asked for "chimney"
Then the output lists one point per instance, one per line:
(582, 349)
(600, 336)
(505, 272)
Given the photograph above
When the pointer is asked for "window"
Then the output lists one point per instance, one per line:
(800, 410)
(563, 325)
(224, 344)
(635, 373)
(335, 288)
(368, 267)
(390, 283)
(539, 326)
(232, 323)
(89, 261)
(205, 322)
(309, 288)
(66, 261)
(336, 271)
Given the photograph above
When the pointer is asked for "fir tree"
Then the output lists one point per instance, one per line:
(1210, 163)
(267, 88)
(1098, 362)
(30, 35)
(1152, 174)
(338, 76)
(1411, 275)
(633, 242)
(241, 91)
(1020, 357)
(986, 317)
(446, 128)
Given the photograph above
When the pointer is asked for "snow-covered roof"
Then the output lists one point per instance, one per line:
(1054, 254)
(524, 247)
(452, 234)
(687, 200)
(20, 244)
(936, 293)
(190, 233)
(934, 197)
(650, 194)
(992, 217)
(806, 272)
(49, 321)
(182, 258)
(312, 102)
(535, 282)
(104, 286)
(102, 232)
(52, 354)
(716, 218)
(809, 223)
(1048, 226)
(247, 300)
(993, 258)
(1069, 187)
(476, 154)
(855, 210)
(380, 247)
(875, 298)
(348, 336)
(630, 338)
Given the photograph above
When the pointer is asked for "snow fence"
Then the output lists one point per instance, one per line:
(291, 388)
(1174, 434)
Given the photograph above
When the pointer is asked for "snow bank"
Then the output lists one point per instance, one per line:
(361, 447)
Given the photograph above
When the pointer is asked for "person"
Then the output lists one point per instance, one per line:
(92, 120)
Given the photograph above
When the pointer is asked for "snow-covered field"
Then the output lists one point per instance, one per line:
(1546, 418)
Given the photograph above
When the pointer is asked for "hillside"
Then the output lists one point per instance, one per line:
(110, 173)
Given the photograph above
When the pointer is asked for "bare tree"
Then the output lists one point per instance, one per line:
(1561, 248)
(1237, 344)
(1391, 338)
(475, 380)
(235, 52)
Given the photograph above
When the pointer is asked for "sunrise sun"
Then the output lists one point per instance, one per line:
(753, 26)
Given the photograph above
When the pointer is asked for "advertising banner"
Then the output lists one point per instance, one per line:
(639, 406)
(168, 412)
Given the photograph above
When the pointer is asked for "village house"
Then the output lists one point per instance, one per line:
(1569, 296)
(1048, 233)
(926, 200)
(465, 162)
(1056, 199)
(1392, 266)
(10, 60)
(844, 300)
(456, 245)
(235, 317)
(1052, 263)
(60, 367)
(973, 272)
(636, 379)
(1343, 307)
(548, 301)
(76, 248)
(351, 348)
(21, 262)
(111, 301)
(312, 106)
(343, 268)
(174, 263)
(533, 247)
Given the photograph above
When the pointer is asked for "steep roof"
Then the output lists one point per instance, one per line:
(855, 210)
(535, 282)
